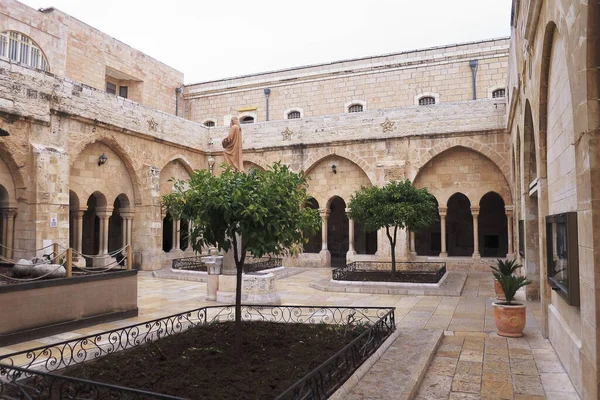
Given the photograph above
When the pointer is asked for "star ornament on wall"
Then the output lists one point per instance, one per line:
(287, 134)
(152, 124)
(387, 125)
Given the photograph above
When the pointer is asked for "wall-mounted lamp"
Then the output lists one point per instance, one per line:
(334, 168)
(211, 163)
(102, 159)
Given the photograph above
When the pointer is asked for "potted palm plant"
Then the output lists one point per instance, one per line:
(503, 268)
(510, 317)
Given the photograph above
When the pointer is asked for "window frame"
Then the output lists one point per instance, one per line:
(22, 49)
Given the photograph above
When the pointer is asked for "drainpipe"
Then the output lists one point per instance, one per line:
(473, 65)
(177, 93)
(267, 93)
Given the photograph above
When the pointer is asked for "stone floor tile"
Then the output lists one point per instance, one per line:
(466, 383)
(473, 356)
(549, 366)
(463, 396)
(497, 389)
(496, 357)
(527, 384)
(557, 382)
(443, 366)
(497, 367)
(469, 368)
(523, 367)
(496, 376)
(437, 387)
(529, 397)
(561, 396)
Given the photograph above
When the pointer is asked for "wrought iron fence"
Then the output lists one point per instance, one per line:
(190, 263)
(426, 271)
(32, 373)
(260, 264)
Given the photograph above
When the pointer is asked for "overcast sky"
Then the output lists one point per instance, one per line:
(213, 39)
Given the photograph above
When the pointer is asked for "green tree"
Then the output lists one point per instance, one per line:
(258, 213)
(397, 205)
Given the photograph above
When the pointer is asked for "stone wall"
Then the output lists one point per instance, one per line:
(554, 118)
(395, 80)
(84, 54)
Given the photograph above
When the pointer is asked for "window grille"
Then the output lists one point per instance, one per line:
(247, 120)
(111, 88)
(355, 108)
(426, 101)
(20, 48)
(293, 115)
(498, 93)
(209, 124)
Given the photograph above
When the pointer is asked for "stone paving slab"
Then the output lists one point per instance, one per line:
(398, 373)
(451, 286)
(197, 276)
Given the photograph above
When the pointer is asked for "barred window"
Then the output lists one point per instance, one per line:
(20, 48)
(355, 108)
(426, 101)
(247, 120)
(111, 88)
(498, 93)
(209, 124)
(293, 115)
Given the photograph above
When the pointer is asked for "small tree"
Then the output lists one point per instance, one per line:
(262, 208)
(397, 205)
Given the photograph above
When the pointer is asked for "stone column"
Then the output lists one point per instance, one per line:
(351, 251)
(443, 212)
(127, 216)
(4, 249)
(103, 214)
(509, 223)
(325, 254)
(79, 230)
(412, 248)
(475, 213)
(11, 215)
(176, 235)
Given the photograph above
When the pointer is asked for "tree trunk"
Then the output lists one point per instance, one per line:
(392, 248)
(239, 269)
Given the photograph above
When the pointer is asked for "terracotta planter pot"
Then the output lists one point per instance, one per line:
(510, 320)
(499, 291)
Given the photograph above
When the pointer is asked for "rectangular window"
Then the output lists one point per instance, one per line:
(3, 45)
(111, 88)
(562, 256)
(123, 91)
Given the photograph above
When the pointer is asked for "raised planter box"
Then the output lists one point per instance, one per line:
(42, 308)
(380, 271)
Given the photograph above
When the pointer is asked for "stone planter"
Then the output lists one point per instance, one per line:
(499, 291)
(509, 319)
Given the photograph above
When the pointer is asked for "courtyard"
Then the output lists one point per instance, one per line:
(469, 362)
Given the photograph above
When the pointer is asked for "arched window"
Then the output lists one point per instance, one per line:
(20, 48)
(247, 120)
(209, 123)
(498, 93)
(293, 115)
(355, 108)
(426, 100)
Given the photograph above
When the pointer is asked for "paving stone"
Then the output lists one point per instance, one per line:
(466, 383)
(469, 368)
(474, 356)
(498, 389)
(557, 382)
(443, 366)
(435, 387)
(496, 366)
(527, 384)
(523, 367)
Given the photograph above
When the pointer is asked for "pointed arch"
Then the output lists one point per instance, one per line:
(77, 147)
(180, 159)
(322, 153)
(549, 34)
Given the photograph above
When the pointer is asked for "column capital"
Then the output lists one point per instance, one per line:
(104, 212)
(324, 212)
(443, 211)
(10, 211)
(509, 210)
(347, 210)
(475, 210)
(127, 213)
(79, 212)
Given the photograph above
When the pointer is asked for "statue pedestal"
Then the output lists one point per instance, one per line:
(214, 266)
(257, 288)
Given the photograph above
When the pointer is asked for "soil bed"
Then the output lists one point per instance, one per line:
(200, 363)
(386, 276)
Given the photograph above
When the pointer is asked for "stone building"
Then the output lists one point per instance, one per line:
(502, 132)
